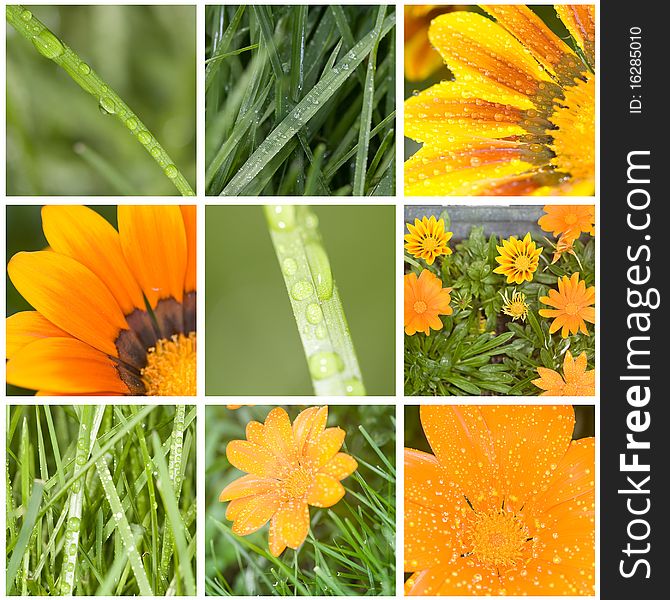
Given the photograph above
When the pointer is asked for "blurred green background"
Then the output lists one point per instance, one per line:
(147, 55)
(24, 233)
(585, 426)
(252, 344)
(223, 425)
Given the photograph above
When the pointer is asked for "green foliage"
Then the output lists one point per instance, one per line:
(295, 90)
(90, 501)
(351, 547)
(480, 351)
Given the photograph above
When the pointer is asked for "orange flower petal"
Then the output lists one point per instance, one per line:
(153, 239)
(279, 435)
(580, 19)
(325, 447)
(251, 458)
(325, 491)
(25, 327)
(248, 485)
(276, 542)
(64, 365)
(308, 425)
(340, 466)
(291, 524)
(188, 213)
(84, 235)
(255, 513)
(455, 580)
(70, 296)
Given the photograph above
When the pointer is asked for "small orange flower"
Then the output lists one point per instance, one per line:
(569, 221)
(487, 515)
(427, 239)
(518, 259)
(576, 380)
(289, 468)
(573, 305)
(425, 300)
(564, 246)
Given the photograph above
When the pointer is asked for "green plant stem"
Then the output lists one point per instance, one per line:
(316, 303)
(49, 46)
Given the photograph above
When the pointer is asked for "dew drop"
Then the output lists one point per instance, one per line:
(107, 105)
(156, 151)
(321, 331)
(325, 364)
(171, 171)
(144, 137)
(280, 217)
(319, 265)
(290, 267)
(131, 123)
(83, 68)
(354, 387)
(48, 45)
(302, 290)
(314, 313)
(26, 15)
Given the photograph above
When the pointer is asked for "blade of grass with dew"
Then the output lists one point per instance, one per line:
(49, 46)
(88, 430)
(306, 109)
(175, 473)
(318, 311)
(122, 525)
(29, 519)
(167, 493)
(366, 114)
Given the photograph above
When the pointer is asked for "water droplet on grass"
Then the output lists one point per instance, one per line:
(314, 313)
(48, 45)
(83, 68)
(290, 267)
(107, 106)
(26, 15)
(144, 137)
(171, 171)
(302, 290)
(325, 364)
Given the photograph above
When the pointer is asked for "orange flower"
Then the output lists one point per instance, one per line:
(518, 259)
(421, 59)
(564, 246)
(573, 305)
(569, 221)
(425, 300)
(289, 468)
(576, 380)
(487, 514)
(427, 239)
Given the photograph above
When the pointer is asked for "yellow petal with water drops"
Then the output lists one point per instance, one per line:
(153, 239)
(25, 327)
(340, 466)
(276, 542)
(480, 51)
(325, 447)
(528, 29)
(82, 234)
(64, 365)
(292, 523)
(325, 491)
(279, 435)
(455, 108)
(529, 442)
(467, 168)
(189, 214)
(69, 295)
(248, 485)
(251, 458)
(580, 20)
(256, 513)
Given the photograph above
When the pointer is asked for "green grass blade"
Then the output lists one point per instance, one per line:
(27, 526)
(306, 109)
(366, 114)
(315, 301)
(49, 46)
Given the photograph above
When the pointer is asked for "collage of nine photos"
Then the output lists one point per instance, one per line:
(456, 455)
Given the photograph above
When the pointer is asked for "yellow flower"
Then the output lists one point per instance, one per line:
(421, 59)
(576, 380)
(569, 221)
(504, 505)
(114, 311)
(518, 119)
(518, 259)
(516, 306)
(427, 239)
(289, 469)
(572, 306)
(425, 301)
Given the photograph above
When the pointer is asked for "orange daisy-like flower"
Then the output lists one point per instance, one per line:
(518, 119)
(518, 259)
(425, 301)
(289, 468)
(427, 239)
(421, 59)
(572, 306)
(564, 246)
(568, 221)
(576, 380)
(114, 311)
(504, 506)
